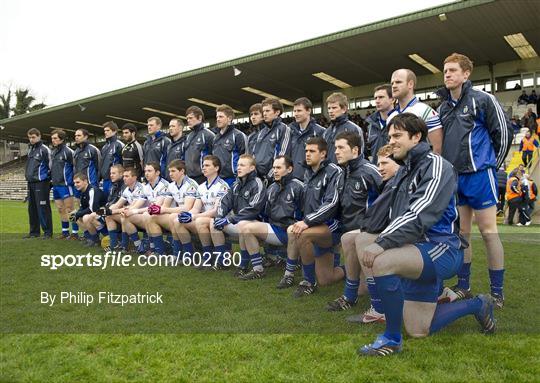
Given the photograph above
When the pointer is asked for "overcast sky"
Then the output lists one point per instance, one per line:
(68, 50)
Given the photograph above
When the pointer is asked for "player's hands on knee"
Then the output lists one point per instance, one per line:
(220, 223)
(185, 217)
(73, 216)
(154, 209)
(370, 253)
(299, 227)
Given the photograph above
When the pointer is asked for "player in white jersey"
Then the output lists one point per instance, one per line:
(209, 195)
(154, 192)
(403, 83)
(181, 195)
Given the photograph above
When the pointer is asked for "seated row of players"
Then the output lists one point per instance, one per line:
(407, 246)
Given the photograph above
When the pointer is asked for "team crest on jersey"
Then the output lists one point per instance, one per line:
(357, 185)
(288, 197)
(158, 145)
(319, 184)
(227, 141)
(465, 109)
(246, 194)
(86, 155)
(272, 136)
(111, 151)
(198, 140)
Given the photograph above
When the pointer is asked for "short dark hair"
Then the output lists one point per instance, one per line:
(287, 159)
(197, 112)
(178, 120)
(155, 165)
(60, 133)
(81, 176)
(111, 125)
(33, 132)
(132, 171)
(353, 140)
(177, 164)
(214, 159)
(305, 102)
(84, 132)
(157, 120)
(129, 126)
(321, 143)
(226, 109)
(386, 87)
(274, 103)
(410, 123)
(255, 108)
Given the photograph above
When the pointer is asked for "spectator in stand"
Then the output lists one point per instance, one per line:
(533, 98)
(527, 147)
(501, 181)
(529, 121)
(532, 194)
(516, 125)
(523, 99)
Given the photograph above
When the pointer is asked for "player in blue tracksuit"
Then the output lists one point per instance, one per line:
(62, 180)
(156, 146)
(314, 237)
(111, 154)
(421, 246)
(199, 143)
(178, 141)
(229, 144)
(477, 137)
(38, 176)
(338, 104)
(377, 135)
(302, 129)
(87, 158)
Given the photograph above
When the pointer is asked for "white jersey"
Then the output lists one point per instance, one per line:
(160, 189)
(424, 111)
(187, 188)
(134, 194)
(209, 194)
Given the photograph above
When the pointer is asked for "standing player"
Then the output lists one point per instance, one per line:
(272, 140)
(361, 187)
(284, 199)
(229, 143)
(111, 154)
(178, 139)
(302, 129)
(132, 153)
(477, 137)
(38, 176)
(87, 158)
(197, 220)
(377, 132)
(314, 237)
(92, 199)
(132, 198)
(181, 195)
(243, 203)
(198, 144)
(403, 84)
(156, 146)
(257, 123)
(420, 247)
(62, 180)
(338, 105)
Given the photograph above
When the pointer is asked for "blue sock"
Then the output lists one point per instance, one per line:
(337, 259)
(65, 229)
(103, 231)
(391, 293)
(187, 250)
(449, 312)
(220, 250)
(93, 237)
(74, 228)
(177, 247)
(464, 275)
(496, 278)
(374, 295)
(351, 289)
(290, 267)
(244, 259)
(256, 261)
(125, 240)
(159, 245)
(135, 238)
(309, 272)
(113, 235)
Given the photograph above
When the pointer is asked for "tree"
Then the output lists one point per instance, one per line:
(24, 103)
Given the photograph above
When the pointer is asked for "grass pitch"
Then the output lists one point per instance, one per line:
(212, 327)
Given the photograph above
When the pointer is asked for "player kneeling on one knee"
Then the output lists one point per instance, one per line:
(420, 247)
(242, 204)
(282, 208)
(92, 198)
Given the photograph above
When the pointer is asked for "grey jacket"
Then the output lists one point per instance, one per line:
(111, 154)
(244, 201)
(198, 144)
(299, 138)
(340, 124)
(270, 142)
(228, 147)
(284, 200)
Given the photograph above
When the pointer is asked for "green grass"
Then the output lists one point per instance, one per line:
(215, 328)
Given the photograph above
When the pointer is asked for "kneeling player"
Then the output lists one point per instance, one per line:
(116, 187)
(420, 247)
(283, 208)
(243, 203)
(198, 219)
(181, 195)
(92, 198)
(315, 236)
